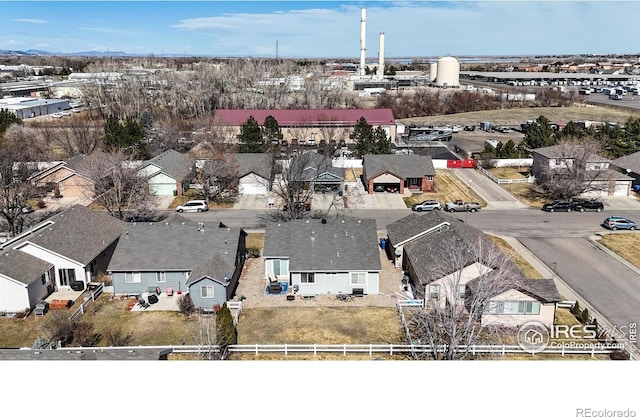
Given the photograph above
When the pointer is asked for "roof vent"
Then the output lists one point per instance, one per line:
(342, 220)
(359, 221)
(306, 221)
(338, 254)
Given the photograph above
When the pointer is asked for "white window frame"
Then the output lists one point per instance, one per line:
(358, 278)
(307, 278)
(434, 292)
(462, 291)
(161, 277)
(277, 271)
(132, 278)
(207, 291)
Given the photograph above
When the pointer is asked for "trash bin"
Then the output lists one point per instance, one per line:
(383, 243)
(175, 193)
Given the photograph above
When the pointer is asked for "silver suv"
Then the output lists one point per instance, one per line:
(193, 205)
(427, 205)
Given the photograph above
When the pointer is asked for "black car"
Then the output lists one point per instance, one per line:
(588, 205)
(558, 205)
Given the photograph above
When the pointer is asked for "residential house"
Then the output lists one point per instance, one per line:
(420, 243)
(202, 259)
(324, 256)
(398, 172)
(70, 177)
(316, 172)
(601, 179)
(311, 126)
(255, 172)
(63, 252)
(629, 165)
(168, 173)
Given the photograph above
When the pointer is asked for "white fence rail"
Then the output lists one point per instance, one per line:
(366, 349)
(86, 303)
(497, 180)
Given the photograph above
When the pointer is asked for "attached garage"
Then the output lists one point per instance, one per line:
(161, 184)
(253, 184)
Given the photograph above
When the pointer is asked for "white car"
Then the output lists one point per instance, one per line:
(193, 205)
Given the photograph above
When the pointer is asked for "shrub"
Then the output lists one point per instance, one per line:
(56, 194)
(225, 330)
(253, 252)
(185, 304)
(191, 193)
(619, 355)
(41, 204)
(585, 316)
(575, 310)
(84, 334)
(57, 327)
(115, 336)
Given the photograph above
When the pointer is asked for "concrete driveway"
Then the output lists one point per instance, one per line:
(495, 196)
(253, 201)
(388, 201)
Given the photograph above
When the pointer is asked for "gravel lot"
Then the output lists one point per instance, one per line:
(253, 282)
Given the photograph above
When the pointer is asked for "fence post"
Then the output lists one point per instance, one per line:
(256, 349)
(315, 349)
(344, 350)
(286, 352)
(370, 350)
(563, 349)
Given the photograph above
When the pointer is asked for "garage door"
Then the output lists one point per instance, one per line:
(252, 188)
(622, 188)
(162, 189)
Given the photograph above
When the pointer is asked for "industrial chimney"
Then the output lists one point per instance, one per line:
(381, 57)
(363, 35)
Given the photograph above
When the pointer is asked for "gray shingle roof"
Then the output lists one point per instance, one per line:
(69, 354)
(76, 163)
(78, 233)
(413, 224)
(560, 151)
(403, 166)
(172, 163)
(258, 163)
(315, 164)
(544, 290)
(21, 266)
(337, 245)
(631, 162)
(216, 268)
(174, 244)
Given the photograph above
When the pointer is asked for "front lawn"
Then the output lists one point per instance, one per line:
(448, 188)
(519, 261)
(623, 244)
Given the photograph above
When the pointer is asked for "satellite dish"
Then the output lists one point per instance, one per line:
(398, 252)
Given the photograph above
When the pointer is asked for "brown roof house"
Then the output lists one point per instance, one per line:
(397, 173)
(431, 250)
(69, 177)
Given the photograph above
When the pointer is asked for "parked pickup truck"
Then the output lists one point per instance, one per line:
(460, 205)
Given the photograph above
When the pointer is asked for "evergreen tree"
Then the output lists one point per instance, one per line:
(381, 142)
(539, 134)
(128, 136)
(7, 119)
(113, 135)
(363, 136)
(271, 131)
(251, 139)
(225, 329)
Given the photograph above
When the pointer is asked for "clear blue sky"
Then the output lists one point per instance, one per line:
(322, 29)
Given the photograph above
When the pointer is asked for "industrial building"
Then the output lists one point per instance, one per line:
(28, 107)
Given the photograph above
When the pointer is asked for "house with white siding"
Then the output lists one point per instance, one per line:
(330, 256)
(63, 252)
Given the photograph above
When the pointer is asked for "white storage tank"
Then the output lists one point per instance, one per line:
(433, 71)
(448, 74)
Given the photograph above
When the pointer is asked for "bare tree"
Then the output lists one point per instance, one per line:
(117, 185)
(575, 168)
(450, 322)
(217, 171)
(79, 137)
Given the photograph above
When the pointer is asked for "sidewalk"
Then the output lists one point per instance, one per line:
(567, 292)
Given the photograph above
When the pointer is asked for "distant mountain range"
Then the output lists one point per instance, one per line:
(36, 52)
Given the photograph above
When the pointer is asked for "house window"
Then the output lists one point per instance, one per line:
(513, 307)
(307, 278)
(358, 278)
(276, 267)
(131, 277)
(206, 291)
(280, 267)
(462, 291)
(67, 276)
(557, 162)
(43, 277)
(161, 277)
(434, 292)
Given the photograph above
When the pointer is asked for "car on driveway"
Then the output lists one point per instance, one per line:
(558, 205)
(193, 205)
(619, 223)
(588, 205)
(427, 205)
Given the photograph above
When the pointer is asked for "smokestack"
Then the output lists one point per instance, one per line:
(363, 35)
(381, 57)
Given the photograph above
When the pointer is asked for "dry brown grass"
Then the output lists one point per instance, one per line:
(519, 261)
(517, 116)
(529, 194)
(255, 240)
(624, 244)
(322, 325)
(509, 173)
(449, 188)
